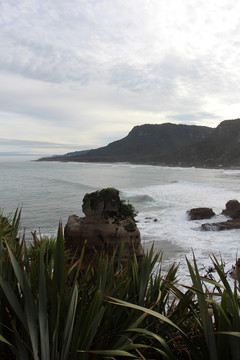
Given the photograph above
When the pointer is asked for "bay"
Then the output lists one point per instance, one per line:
(49, 192)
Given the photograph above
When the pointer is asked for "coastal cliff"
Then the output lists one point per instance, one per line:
(170, 145)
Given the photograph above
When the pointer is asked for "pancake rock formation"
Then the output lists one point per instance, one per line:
(108, 223)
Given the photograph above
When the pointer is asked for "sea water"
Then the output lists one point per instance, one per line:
(49, 192)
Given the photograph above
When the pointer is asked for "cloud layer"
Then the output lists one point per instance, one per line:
(84, 72)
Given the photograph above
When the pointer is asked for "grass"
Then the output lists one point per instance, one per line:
(52, 310)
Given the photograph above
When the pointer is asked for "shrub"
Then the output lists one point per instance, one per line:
(125, 210)
(50, 309)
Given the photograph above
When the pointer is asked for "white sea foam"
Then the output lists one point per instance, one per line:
(164, 221)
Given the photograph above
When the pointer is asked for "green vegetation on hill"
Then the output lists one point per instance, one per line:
(50, 309)
(125, 210)
(222, 147)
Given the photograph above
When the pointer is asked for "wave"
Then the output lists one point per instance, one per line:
(141, 199)
(231, 172)
(63, 182)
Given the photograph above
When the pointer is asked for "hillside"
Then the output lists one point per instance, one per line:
(222, 147)
(170, 144)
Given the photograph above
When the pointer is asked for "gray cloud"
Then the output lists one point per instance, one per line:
(87, 71)
(193, 117)
(35, 144)
(46, 41)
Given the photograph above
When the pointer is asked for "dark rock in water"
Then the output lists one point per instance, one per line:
(108, 222)
(224, 225)
(200, 213)
(232, 209)
(150, 218)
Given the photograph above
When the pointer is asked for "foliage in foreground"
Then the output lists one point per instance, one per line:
(51, 309)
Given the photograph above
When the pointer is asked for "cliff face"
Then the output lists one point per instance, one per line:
(222, 147)
(171, 144)
(155, 142)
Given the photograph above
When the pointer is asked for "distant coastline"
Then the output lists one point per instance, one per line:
(169, 145)
(219, 167)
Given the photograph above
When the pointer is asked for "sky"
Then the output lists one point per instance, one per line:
(79, 74)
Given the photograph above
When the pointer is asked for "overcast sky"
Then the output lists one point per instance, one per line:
(78, 74)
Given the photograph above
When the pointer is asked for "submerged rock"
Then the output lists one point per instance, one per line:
(108, 222)
(200, 213)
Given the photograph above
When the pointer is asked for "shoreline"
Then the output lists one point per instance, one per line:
(219, 167)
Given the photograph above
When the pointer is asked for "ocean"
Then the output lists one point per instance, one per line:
(49, 192)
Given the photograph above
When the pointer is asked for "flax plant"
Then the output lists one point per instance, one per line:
(217, 313)
(52, 309)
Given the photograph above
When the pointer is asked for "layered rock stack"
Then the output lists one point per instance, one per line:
(108, 223)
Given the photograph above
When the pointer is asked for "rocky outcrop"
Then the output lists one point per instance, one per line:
(232, 209)
(200, 213)
(108, 223)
